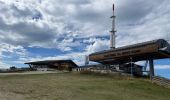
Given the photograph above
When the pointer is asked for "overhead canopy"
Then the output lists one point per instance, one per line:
(156, 49)
(51, 62)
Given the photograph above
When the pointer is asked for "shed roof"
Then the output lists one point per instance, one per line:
(47, 62)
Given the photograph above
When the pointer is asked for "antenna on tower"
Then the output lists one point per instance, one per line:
(113, 31)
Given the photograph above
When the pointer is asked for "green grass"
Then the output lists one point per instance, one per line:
(74, 86)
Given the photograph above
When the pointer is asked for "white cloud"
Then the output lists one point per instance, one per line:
(66, 25)
(12, 49)
(98, 45)
(77, 57)
(4, 65)
(144, 24)
(89, 17)
(162, 67)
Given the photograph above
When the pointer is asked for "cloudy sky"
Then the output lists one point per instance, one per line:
(33, 30)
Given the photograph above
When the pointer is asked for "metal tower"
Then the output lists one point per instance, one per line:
(112, 32)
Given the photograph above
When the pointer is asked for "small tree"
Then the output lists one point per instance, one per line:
(13, 68)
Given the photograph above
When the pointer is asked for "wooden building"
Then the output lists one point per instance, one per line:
(146, 51)
(52, 64)
(156, 49)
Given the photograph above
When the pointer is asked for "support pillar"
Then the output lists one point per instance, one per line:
(151, 66)
(131, 65)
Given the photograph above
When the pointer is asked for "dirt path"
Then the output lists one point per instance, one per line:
(31, 72)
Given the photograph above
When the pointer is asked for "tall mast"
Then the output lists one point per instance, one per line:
(113, 31)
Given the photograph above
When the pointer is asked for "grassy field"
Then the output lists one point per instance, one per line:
(74, 86)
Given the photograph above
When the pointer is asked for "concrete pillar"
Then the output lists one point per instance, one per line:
(131, 66)
(151, 66)
(107, 68)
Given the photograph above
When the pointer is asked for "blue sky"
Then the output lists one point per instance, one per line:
(32, 30)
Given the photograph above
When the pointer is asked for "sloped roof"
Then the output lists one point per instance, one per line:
(47, 62)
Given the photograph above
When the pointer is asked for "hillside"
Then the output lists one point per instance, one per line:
(74, 86)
